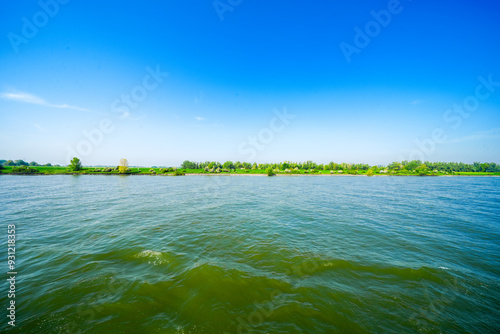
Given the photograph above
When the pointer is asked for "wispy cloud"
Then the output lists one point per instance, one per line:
(415, 102)
(198, 98)
(32, 99)
(39, 127)
(208, 125)
(198, 118)
(480, 135)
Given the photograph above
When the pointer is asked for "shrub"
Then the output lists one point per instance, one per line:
(369, 172)
(270, 172)
(23, 170)
(178, 173)
(123, 167)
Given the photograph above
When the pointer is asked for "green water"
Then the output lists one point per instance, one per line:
(252, 254)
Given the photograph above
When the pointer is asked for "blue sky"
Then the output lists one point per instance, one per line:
(161, 82)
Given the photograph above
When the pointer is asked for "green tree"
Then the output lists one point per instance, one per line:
(422, 170)
(413, 165)
(394, 166)
(21, 163)
(369, 172)
(228, 165)
(75, 164)
(189, 165)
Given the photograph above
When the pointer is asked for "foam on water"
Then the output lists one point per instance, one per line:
(154, 258)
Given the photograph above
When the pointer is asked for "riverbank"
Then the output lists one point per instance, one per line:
(255, 173)
(405, 168)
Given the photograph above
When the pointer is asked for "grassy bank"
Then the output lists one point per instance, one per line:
(46, 170)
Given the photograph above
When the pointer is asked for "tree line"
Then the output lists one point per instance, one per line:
(213, 166)
(22, 163)
(405, 165)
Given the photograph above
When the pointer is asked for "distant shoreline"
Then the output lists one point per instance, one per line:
(253, 174)
(404, 168)
(320, 170)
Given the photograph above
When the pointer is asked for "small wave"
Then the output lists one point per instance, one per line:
(154, 258)
(313, 265)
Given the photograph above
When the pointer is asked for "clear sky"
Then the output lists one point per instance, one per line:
(160, 82)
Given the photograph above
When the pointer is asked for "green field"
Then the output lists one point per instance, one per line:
(45, 170)
(475, 173)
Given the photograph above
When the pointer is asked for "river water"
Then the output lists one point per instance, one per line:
(252, 254)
